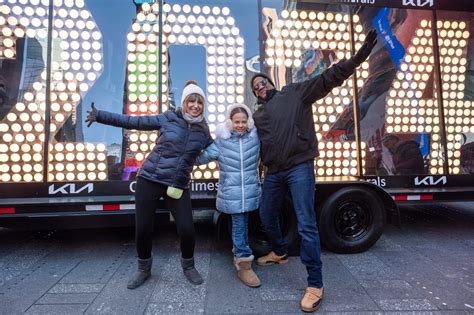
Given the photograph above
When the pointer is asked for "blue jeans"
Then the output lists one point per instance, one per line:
(300, 182)
(240, 237)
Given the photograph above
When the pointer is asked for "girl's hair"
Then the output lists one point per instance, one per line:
(193, 97)
(238, 110)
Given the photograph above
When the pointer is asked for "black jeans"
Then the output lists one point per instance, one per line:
(147, 196)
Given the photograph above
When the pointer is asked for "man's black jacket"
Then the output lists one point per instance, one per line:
(285, 122)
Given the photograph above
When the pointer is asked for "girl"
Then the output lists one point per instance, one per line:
(237, 149)
(166, 173)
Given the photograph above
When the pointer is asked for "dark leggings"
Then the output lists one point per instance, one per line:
(147, 197)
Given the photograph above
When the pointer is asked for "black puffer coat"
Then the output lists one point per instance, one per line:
(285, 122)
(179, 143)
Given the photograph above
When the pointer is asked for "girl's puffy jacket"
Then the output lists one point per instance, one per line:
(179, 143)
(238, 156)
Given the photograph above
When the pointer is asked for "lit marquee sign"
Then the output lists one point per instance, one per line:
(289, 38)
(76, 64)
(214, 29)
(407, 111)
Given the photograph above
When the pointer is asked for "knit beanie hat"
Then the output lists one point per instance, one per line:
(260, 75)
(191, 88)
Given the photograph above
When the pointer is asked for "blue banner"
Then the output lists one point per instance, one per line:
(382, 26)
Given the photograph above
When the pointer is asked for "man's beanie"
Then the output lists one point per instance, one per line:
(260, 75)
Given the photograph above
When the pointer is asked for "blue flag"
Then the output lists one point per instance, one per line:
(382, 26)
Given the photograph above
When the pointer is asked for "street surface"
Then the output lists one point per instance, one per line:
(426, 267)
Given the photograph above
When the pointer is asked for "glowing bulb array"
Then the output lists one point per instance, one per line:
(300, 31)
(76, 64)
(338, 159)
(212, 28)
(206, 171)
(409, 112)
(77, 162)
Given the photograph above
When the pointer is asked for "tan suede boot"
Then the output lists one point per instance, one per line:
(312, 299)
(245, 272)
(272, 258)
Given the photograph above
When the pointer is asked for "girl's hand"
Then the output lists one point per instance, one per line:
(91, 115)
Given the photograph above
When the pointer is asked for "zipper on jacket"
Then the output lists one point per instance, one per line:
(242, 173)
(184, 153)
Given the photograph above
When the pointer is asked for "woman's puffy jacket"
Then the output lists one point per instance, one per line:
(238, 156)
(179, 143)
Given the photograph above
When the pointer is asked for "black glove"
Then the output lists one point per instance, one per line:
(364, 51)
(91, 115)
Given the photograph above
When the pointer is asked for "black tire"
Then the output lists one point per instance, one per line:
(351, 220)
(258, 240)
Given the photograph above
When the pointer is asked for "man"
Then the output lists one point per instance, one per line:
(406, 155)
(285, 125)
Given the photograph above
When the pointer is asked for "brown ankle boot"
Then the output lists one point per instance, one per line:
(312, 299)
(272, 258)
(245, 272)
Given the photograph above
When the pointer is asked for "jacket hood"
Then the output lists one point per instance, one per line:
(224, 130)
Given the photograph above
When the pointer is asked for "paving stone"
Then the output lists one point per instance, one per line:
(21, 293)
(19, 259)
(67, 298)
(76, 288)
(343, 299)
(405, 304)
(115, 298)
(366, 265)
(173, 285)
(98, 264)
(57, 309)
(175, 308)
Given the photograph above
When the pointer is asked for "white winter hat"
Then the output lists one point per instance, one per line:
(192, 89)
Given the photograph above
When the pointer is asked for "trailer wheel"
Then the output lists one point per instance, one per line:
(258, 240)
(351, 220)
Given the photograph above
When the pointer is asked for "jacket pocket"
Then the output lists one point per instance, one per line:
(302, 140)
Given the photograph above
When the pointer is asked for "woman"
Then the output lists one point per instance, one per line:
(166, 173)
(237, 149)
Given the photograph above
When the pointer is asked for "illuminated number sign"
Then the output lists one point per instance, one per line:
(76, 64)
(214, 29)
(289, 38)
(409, 111)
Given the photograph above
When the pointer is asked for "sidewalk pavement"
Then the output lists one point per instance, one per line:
(424, 268)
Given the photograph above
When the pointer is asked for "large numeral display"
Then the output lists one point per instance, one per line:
(408, 110)
(214, 29)
(77, 62)
(75, 65)
(289, 38)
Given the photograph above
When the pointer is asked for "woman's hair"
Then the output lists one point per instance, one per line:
(238, 110)
(188, 82)
(193, 97)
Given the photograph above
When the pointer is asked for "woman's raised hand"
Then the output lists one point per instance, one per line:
(91, 115)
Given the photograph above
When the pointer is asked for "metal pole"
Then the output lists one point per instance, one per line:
(260, 37)
(47, 112)
(355, 103)
(160, 56)
(439, 93)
